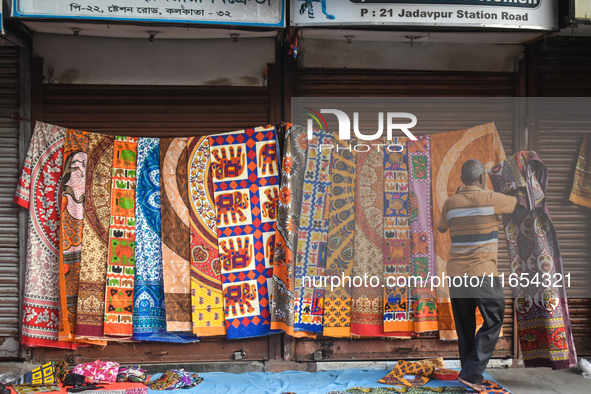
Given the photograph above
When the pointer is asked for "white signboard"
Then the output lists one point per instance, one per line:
(220, 12)
(583, 10)
(528, 14)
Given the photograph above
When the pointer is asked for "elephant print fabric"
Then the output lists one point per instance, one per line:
(246, 188)
(422, 257)
(72, 188)
(121, 253)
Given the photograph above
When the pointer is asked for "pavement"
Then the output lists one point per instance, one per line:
(541, 380)
(518, 380)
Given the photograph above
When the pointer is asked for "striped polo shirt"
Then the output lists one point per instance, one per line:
(471, 217)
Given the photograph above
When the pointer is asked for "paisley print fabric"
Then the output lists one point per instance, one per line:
(542, 314)
(367, 310)
(397, 306)
(246, 180)
(341, 233)
(121, 253)
(176, 236)
(93, 265)
(206, 282)
(149, 319)
(38, 192)
(312, 236)
(282, 291)
(449, 151)
(72, 186)
(581, 191)
(149, 316)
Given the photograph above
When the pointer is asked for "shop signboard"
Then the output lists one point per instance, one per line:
(269, 13)
(522, 14)
(582, 10)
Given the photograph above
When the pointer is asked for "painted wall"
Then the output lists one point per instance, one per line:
(99, 60)
(401, 56)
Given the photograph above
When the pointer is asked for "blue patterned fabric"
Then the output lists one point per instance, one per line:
(312, 236)
(149, 319)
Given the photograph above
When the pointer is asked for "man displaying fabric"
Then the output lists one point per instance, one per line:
(471, 217)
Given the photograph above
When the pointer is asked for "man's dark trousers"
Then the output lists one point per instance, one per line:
(476, 351)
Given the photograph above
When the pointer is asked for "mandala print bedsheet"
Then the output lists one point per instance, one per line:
(176, 236)
(38, 192)
(206, 283)
(97, 212)
(449, 151)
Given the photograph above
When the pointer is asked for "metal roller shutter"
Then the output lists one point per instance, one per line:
(9, 212)
(565, 71)
(156, 111)
(371, 83)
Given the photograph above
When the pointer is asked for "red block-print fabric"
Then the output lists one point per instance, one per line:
(38, 192)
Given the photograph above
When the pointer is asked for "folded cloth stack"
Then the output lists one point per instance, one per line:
(175, 379)
(133, 373)
(98, 371)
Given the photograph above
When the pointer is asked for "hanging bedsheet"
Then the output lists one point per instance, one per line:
(367, 308)
(38, 192)
(121, 260)
(581, 191)
(149, 316)
(312, 234)
(176, 236)
(206, 282)
(97, 213)
(449, 151)
(282, 291)
(424, 299)
(246, 189)
(398, 315)
(341, 233)
(543, 320)
(72, 186)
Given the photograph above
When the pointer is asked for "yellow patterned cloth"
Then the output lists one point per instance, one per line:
(581, 192)
(207, 304)
(43, 375)
(412, 374)
(341, 231)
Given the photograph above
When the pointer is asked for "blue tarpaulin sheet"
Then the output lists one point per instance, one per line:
(293, 381)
